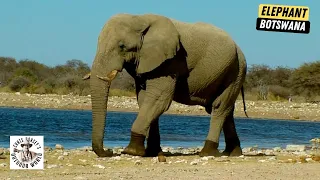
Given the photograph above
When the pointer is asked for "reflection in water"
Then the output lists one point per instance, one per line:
(73, 129)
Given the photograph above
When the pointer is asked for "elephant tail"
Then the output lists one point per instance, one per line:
(243, 101)
(243, 72)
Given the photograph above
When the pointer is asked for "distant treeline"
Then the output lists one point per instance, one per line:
(262, 82)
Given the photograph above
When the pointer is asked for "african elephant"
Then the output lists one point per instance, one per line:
(190, 63)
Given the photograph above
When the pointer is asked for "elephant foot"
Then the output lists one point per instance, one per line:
(237, 151)
(232, 147)
(154, 153)
(103, 153)
(136, 145)
(150, 152)
(210, 149)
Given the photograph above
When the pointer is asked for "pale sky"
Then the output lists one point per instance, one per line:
(52, 32)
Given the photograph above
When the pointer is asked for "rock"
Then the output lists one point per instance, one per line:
(117, 158)
(99, 166)
(154, 160)
(315, 140)
(255, 153)
(79, 178)
(3, 157)
(269, 152)
(296, 148)
(3, 164)
(59, 147)
(272, 158)
(60, 158)
(181, 161)
(162, 158)
(46, 148)
(49, 166)
(277, 149)
(186, 151)
(68, 164)
(118, 150)
(205, 163)
(1, 151)
(137, 162)
(309, 159)
(66, 153)
(262, 160)
(83, 160)
(246, 150)
(193, 162)
(204, 159)
(167, 149)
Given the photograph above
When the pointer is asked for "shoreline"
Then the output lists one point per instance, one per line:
(273, 110)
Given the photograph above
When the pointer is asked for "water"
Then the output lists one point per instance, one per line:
(72, 129)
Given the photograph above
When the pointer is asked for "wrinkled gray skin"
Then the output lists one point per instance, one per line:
(193, 64)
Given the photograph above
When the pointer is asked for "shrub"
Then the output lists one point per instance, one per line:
(18, 83)
(305, 80)
(279, 91)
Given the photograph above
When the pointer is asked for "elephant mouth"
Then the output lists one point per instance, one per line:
(108, 78)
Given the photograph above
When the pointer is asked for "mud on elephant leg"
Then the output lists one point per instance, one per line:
(153, 140)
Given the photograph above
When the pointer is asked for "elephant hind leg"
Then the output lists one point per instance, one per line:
(222, 108)
(232, 141)
(153, 140)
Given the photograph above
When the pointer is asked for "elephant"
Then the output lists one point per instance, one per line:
(189, 63)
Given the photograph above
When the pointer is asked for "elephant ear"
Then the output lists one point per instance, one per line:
(160, 42)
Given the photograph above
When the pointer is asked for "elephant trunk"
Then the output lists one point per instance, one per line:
(99, 100)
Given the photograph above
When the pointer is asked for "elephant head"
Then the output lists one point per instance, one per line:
(145, 41)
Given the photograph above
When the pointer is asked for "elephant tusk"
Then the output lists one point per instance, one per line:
(87, 76)
(110, 76)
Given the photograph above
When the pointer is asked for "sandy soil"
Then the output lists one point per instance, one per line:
(79, 164)
(255, 109)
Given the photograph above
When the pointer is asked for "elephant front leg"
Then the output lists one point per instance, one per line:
(157, 99)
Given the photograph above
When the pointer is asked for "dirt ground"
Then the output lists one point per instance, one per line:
(85, 165)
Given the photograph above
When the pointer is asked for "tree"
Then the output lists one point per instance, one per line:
(41, 71)
(280, 76)
(7, 67)
(305, 80)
